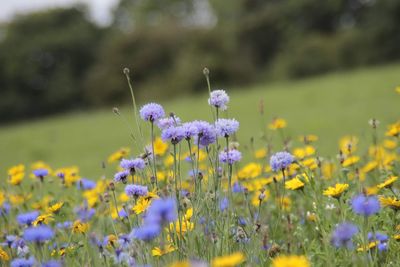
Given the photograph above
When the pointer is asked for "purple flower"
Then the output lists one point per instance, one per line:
(134, 190)
(161, 211)
(52, 263)
(5, 209)
(133, 165)
(226, 127)
(40, 173)
(173, 134)
(38, 234)
(152, 112)
(281, 161)
(223, 204)
(27, 218)
(85, 214)
(86, 184)
(365, 205)
(343, 234)
(237, 188)
(189, 130)
(64, 225)
(121, 176)
(206, 134)
(167, 122)
(230, 157)
(219, 99)
(146, 232)
(22, 262)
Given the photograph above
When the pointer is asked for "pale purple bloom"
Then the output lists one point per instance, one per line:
(226, 127)
(40, 173)
(152, 112)
(146, 232)
(281, 161)
(52, 263)
(22, 262)
(173, 134)
(38, 234)
(86, 184)
(206, 134)
(133, 165)
(134, 190)
(27, 218)
(121, 176)
(365, 205)
(230, 157)
(343, 234)
(189, 130)
(162, 211)
(223, 204)
(219, 99)
(169, 121)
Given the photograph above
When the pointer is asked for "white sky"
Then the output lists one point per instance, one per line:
(100, 10)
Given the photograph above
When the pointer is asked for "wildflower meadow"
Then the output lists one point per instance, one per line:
(187, 193)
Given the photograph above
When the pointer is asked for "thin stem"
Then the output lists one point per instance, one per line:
(154, 155)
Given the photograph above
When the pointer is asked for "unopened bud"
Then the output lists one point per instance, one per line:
(116, 111)
(206, 71)
(126, 71)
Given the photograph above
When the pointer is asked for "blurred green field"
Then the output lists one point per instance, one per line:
(329, 106)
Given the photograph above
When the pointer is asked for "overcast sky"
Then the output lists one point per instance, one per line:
(100, 10)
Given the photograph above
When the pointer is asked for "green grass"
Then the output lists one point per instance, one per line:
(329, 106)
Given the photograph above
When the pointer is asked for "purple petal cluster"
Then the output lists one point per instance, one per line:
(121, 176)
(86, 184)
(173, 134)
(219, 99)
(146, 232)
(281, 161)
(167, 122)
(189, 130)
(38, 234)
(133, 165)
(365, 205)
(230, 157)
(226, 127)
(52, 263)
(134, 190)
(40, 172)
(22, 262)
(206, 134)
(223, 204)
(27, 218)
(152, 112)
(343, 234)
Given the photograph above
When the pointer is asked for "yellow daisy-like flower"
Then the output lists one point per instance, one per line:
(370, 166)
(390, 202)
(141, 205)
(393, 129)
(389, 144)
(308, 138)
(118, 155)
(328, 168)
(43, 219)
(169, 161)
(16, 169)
(19, 199)
(187, 226)
(260, 195)
(301, 153)
(157, 251)
(397, 89)
(285, 203)
(310, 163)
(260, 153)
(55, 208)
(277, 123)
(251, 170)
(373, 190)
(347, 142)
(2, 198)
(3, 255)
(371, 245)
(112, 240)
(160, 147)
(388, 183)
(336, 191)
(350, 161)
(229, 260)
(16, 179)
(80, 227)
(294, 184)
(291, 261)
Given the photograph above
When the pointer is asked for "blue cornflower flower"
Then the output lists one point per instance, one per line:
(223, 204)
(381, 238)
(169, 121)
(237, 188)
(173, 134)
(85, 214)
(133, 165)
(122, 213)
(343, 234)
(22, 262)
(219, 99)
(52, 263)
(86, 184)
(38, 234)
(365, 205)
(226, 127)
(146, 232)
(231, 157)
(134, 190)
(5, 208)
(189, 130)
(40, 173)
(124, 241)
(10, 239)
(27, 218)
(64, 225)
(162, 211)
(152, 112)
(281, 161)
(121, 176)
(206, 134)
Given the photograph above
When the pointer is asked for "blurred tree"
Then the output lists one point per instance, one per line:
(43, 59)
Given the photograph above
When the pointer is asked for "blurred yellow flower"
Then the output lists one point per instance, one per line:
(16, 169)
(2, 198)
(284, 202)
(277, 123)
(328, 168)
(157, 251)
(397, 89)
(260, 153)
(16, 199)
(118, 155)
(373, 190)
(368, 247)
(80, 227)
(55, 208)
(304, 152)
(251, 170)
(290, 261)
(260, 195)
(308, 138)
(350, 161)
(43, 219)
(336, 191)
(169, 161)
(311, 163)
(390, 202)
(3, 255)
(141, 205)
(16, 179)
(388, 182)
(348, 144)
(160, 147)
(389, 144)
(393, 129)
(229, 260)
(370, 166)
(294, 184)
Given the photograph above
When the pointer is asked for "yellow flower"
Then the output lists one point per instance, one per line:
(3, 255)
(19, 199)
(304, 152)
(277, 123)
(123, 197)
(350, 161)
(371, 190)
(55, 208)
(393, 129)
(229, 260)
(71, 175)
(308, 138)
(42, 204)
(348, 144)
(262, 195)
(251, 170)
(328, 168)
(397, 89)
(311, 216)
(187, 226)
(285, 203)
(16, 169)
(388, 182)
(336, 191)
(162, 251)
(368, 247)
(260, 153)
(389, 144)
(118, 155)
(111, 240)
(16, 179)
(290, 261)
(390, 202)
(141, 205)
(169, 161)
(310, 163)
(160, 147)
(294, 184)
(2, 198)
(80, 227)
(43, 219)
(369, 166)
